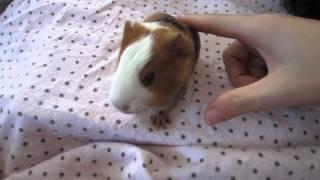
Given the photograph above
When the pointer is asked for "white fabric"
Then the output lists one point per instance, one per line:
(56, 63)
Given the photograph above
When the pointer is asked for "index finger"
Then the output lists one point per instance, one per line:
(232, 26)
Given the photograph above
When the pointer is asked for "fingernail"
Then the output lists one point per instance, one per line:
(213, 116)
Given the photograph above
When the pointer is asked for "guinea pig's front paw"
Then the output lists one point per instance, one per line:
(161, 119)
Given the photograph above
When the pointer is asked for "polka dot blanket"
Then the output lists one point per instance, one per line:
(56, 122)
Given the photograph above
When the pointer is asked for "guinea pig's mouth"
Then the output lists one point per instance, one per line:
(136, 110)
(127, 109)
(130, 111)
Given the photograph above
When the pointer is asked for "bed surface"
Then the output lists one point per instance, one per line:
(56, 122)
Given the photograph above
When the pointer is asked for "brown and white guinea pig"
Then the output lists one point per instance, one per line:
(156, 60)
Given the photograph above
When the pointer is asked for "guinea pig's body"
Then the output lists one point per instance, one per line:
(156, 60)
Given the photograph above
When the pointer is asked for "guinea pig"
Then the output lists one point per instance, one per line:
(156, 60)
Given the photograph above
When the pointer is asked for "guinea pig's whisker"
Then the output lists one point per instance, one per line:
(140, 108)
(143, 108)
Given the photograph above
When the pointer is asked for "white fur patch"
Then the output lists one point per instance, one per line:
(152, 26)
(126, 88)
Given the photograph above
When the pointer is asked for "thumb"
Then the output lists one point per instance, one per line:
(260, 95)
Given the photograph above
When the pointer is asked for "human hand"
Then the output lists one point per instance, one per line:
(274, 62)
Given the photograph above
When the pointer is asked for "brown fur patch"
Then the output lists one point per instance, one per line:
(155, 17)
(172, 62)
(188, 32)
(175, 53)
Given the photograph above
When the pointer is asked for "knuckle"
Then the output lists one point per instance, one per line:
(226, 54)
(266, 17)
(260, 26)
(267, 20)
(240, 105)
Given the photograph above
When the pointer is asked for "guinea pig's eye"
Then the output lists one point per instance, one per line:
(148, 79)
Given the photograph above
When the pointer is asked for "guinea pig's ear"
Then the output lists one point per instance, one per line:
(196, 41)
(174, 38)
(125, 34)
(127, 27)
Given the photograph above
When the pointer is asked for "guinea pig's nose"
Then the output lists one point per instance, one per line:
(125, 108)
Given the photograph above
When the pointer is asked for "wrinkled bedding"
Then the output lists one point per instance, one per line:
(56, 122)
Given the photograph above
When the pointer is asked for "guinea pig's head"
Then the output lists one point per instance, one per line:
(155, 62)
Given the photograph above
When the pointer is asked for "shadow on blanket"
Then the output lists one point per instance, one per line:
(4, 4)
(303, 8)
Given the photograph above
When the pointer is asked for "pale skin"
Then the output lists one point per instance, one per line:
(274, 62)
